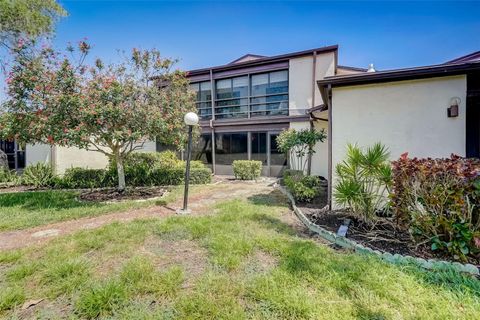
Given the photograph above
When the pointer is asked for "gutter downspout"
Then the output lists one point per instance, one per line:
(329, 137)
(314, 74)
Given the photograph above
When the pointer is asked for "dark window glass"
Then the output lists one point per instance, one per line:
(232, 102)
(202, 149)
(230, 146)
(205, 91)
(15, 154)
(276, 98)
(277, 158)
(240, 87)
(259, 84)
(204, 98)
(259, 147)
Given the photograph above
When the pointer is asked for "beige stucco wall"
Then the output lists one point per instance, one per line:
(74, 157)
(320, 157)
(406, 116)
(301, 82)
(35, 153)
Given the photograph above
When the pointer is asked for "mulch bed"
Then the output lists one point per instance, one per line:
(112, 195)
(384, 235)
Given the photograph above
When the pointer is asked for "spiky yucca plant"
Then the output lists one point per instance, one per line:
(364, 180)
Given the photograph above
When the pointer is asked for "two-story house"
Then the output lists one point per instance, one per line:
(245, 104)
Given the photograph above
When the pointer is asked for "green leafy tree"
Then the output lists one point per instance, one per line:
(27, 19)
(299, 145)
(110, 109)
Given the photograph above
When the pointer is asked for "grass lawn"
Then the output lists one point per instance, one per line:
(242, 261)
(23, 210)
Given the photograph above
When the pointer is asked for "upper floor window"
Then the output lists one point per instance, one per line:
(256, 95)
(269, 95)
(203, 92)
(231, 98)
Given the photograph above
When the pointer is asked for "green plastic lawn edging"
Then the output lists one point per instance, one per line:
(430, 264)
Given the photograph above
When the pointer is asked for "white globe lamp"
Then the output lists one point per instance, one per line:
(191, 119)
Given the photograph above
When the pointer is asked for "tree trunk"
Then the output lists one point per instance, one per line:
(121, 174)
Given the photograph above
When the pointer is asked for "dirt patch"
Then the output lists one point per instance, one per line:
(384, 235)
(201, 202)
(185, 253)
(58, 309)
(8, 188)
(113, 195)
(260, 262)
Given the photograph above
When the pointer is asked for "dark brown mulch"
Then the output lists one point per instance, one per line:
(102, 195)
(384, 235)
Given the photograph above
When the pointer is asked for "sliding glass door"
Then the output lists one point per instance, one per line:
(260, 146)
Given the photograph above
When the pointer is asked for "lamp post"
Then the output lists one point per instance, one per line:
(190, 119)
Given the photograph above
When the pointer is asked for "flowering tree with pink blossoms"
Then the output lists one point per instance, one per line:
(112, 109)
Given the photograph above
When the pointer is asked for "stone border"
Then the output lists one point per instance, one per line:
(430, 264)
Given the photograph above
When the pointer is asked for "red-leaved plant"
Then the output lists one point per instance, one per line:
(438, 200)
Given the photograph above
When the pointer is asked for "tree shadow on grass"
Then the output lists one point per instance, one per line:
(274, 198)
(273, 223)
(37, 200)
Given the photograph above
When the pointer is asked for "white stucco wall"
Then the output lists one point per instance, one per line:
(406, 116)
(301, 80)
(35, 153)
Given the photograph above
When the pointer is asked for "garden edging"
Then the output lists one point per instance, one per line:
(431, 264)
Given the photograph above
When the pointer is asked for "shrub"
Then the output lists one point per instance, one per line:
(364, 180)
(303, 188)
(200, 175)
(8, 176)
(292, 173)
(175, 176)
(439, 201)
(38, 175)
(247, 169)
(84, 178)
(154, 168)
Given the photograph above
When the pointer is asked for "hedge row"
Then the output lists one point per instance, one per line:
(141, 169)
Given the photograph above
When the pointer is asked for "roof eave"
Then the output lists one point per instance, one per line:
(398, 75)
(262, 61)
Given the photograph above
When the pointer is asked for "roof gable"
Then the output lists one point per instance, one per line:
(472, 57)
(246, 58)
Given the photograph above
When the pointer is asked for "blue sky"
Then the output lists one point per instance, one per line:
(202, 34)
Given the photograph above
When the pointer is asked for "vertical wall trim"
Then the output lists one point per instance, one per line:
(314, 75)
(330, 156)
(249, 145)
(212, 126)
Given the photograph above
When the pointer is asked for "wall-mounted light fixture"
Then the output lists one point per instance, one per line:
(452, 111)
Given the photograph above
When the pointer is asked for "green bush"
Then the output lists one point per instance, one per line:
(38, 175)
(247, 169)
(84, 178)
(158, 168)
(303, 188)
(8, 176)
(364, 180)
(200, 175)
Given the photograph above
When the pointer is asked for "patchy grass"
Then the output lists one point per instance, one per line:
(23, 210)
(254, 266)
